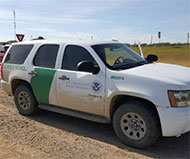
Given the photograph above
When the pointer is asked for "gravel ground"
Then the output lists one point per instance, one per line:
(52, 135)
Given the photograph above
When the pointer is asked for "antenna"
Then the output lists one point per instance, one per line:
(14, 23)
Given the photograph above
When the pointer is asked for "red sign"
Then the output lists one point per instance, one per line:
(20, 37)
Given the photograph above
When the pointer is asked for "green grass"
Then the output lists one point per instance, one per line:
(169, 54)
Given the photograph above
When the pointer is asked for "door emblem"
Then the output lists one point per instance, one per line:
(96, 86)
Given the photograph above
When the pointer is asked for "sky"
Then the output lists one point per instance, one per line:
(123, 20)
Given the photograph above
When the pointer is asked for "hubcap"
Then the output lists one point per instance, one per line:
(133, 126)
(24, 100)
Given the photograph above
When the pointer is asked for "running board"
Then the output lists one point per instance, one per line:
(74, 113)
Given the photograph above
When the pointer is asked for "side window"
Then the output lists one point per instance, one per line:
(46, 56)
(73, 55)
(18, 54)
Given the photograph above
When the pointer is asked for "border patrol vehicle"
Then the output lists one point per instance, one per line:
(105, 82)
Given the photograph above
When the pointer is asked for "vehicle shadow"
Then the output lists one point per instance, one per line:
(170, 147)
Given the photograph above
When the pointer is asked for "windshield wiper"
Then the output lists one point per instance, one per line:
(129, 65)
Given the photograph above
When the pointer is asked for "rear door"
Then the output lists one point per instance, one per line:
(44, 72)
(82, 91)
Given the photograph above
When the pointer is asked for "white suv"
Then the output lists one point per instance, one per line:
(102, 82)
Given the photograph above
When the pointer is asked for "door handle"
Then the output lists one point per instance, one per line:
(32, 73)
(64, 78)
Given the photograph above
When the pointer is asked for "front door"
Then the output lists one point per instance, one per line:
(82, 91)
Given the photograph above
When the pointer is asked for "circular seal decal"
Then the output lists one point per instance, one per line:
(96, 86)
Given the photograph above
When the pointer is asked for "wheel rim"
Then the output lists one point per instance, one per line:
(133, 126)
(24, 100)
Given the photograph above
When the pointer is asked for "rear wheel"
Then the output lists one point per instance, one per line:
(25, 100)
(136, 125)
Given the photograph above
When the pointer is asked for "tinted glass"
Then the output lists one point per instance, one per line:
(46, 56)
(18, 54)
(73, 55)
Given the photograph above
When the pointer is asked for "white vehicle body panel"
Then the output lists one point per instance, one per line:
(150, 82)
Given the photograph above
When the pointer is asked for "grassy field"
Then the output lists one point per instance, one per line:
(169, 54)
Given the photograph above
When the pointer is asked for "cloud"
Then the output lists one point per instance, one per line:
(64, 8)
(125, 35)
(48, 12)
(73, 19)
(60, 35)
(22, 17)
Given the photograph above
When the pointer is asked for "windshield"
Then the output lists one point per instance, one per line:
(118, 56)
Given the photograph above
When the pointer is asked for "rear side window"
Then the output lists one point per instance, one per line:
(18, 54)
(46, 56)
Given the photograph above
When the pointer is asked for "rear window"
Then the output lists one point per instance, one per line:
(18, 54)
(46, 56)
(1, 49)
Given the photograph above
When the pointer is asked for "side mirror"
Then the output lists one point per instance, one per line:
(151, 58)
(87, 66)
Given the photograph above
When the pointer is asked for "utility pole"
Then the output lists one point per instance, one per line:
(14, 23)
(151, 39)
(159, 36)
(187, 38)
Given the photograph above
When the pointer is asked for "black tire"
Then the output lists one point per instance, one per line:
(148, 122)
(25, 100)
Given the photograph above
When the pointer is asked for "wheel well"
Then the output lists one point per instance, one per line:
(118, 100)
(15, 83)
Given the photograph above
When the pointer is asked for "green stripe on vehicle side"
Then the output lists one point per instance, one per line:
(41, 84)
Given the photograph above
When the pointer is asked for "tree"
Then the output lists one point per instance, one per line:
(39, 38)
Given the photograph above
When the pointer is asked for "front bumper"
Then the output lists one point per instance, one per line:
(174, 121)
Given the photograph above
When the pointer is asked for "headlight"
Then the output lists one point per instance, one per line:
(179, 98)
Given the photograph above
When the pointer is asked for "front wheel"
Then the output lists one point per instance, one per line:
(136, 125)
(25, 100)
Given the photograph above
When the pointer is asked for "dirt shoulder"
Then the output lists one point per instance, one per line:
(52, 135)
